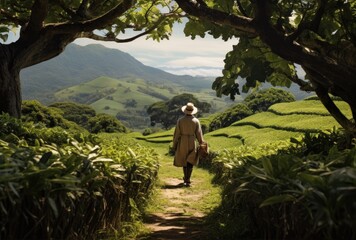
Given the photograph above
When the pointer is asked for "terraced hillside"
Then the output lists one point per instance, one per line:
(281, 122)
(128, 98)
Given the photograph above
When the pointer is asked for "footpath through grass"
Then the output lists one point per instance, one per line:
(178, 212)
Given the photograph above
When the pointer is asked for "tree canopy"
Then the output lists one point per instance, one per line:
(274, 38)
(261, 100)
(168, 112)
(47, 27)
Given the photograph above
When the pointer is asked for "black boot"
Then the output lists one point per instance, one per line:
(185, 174)
(189, 174)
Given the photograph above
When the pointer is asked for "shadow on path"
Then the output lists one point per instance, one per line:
(171, 186)
(175, 226)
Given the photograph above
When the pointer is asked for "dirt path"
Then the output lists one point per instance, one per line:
(178, 220)
(182, 210)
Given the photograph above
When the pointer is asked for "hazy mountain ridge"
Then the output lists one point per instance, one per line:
(78, 64)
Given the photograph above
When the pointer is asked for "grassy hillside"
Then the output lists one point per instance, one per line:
(79, 64)
(129, 97)
(281, 122)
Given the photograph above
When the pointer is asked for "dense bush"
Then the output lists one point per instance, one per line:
(261, 100)
(149, 131)
(290, 193)
(75, 112)
(69, 190)
(229, 116)
(34, 111)
(105, 123)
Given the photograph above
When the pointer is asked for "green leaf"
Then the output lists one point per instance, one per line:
(267, 166)
(277, 199)
(311, 179)
(13, 189)
(53, 206)
(194, 29)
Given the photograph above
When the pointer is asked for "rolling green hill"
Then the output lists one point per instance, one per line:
(128, 98)
(78, 64)
(280, 123)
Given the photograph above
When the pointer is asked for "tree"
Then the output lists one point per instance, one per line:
(229, 116)
(261, 100)
(47, 27)
(275, 37)
(105, 123)
(75, 112)
(168, 112)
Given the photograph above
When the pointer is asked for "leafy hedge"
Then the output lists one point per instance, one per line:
(228, 117)
(301, 191)
(69, 189)
(71, 116)
(261, 100)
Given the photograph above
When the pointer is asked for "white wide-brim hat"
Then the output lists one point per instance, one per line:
(189, 109)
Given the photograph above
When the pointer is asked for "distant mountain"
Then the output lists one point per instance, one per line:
(128, 98)
(78, 64)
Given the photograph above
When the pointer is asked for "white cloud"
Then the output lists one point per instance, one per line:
(211, 72)
(196, 61)
(181, 45)
(177, 52)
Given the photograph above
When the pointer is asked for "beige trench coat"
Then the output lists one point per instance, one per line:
(187, 130)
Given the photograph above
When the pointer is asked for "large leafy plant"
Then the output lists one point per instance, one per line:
(53, 186)
(282, 193)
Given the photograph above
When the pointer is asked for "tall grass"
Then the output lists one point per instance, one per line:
(304, 190)
(56, 187)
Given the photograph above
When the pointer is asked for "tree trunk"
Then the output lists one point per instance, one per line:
(16, 56)
(10, 89)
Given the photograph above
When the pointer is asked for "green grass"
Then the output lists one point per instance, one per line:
(211, 197)
(251, 135)
(293, 122)
(265, 127)
(308, 107)
(217, 143)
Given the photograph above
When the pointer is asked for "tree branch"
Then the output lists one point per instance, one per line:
(241, 8)
(304, 86)
(38, 14)
(82, 10)
(95, 23)
(313, 25)
(322, 92)
(297, 53)
(201, 11)
(94, 36)
(334, 110)
(69, 11)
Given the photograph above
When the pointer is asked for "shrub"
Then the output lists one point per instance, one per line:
(70, 190)
(75, 112)
(228, 117)
(105, 123)
(261, 100)
(147, 132)
(34, 111)
(290, 193)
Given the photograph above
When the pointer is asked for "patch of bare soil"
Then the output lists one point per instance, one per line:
(178, 220)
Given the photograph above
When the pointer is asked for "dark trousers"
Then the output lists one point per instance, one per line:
(187, 172)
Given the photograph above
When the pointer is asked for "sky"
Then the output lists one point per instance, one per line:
(179, 55)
